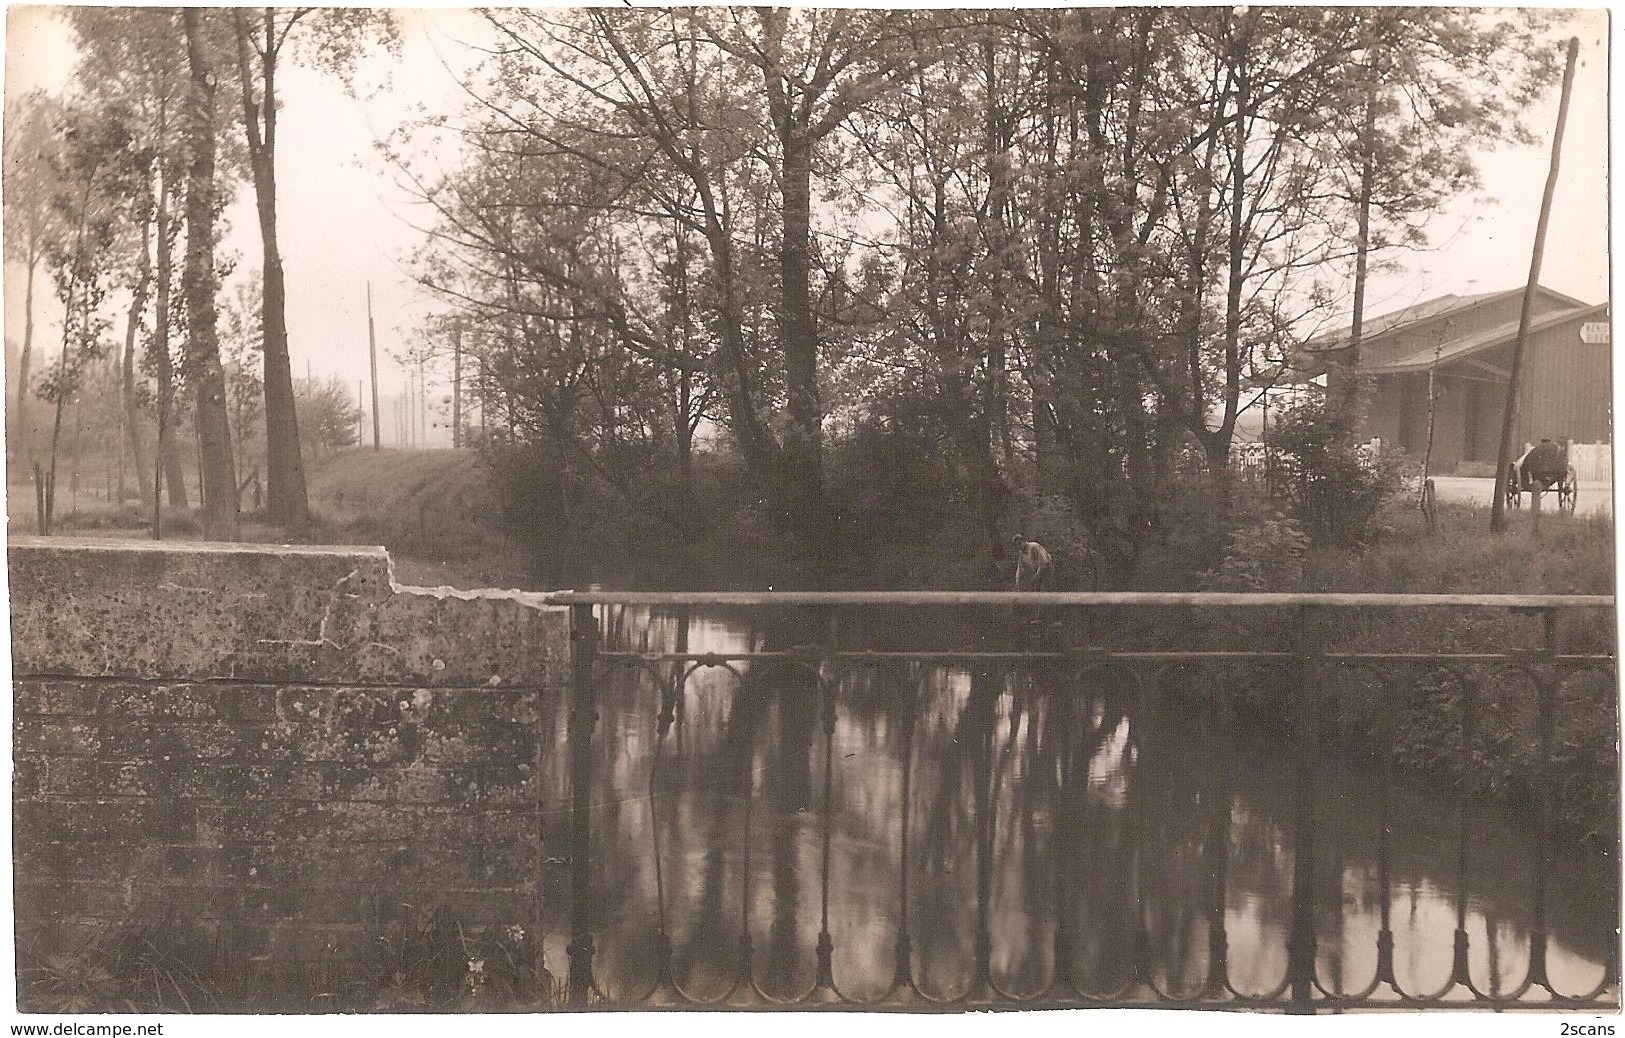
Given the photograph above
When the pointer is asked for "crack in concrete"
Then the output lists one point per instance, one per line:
(321, 638)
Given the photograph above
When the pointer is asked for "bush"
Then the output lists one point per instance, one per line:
(1265, 552)
(1329, 483)
(905, 504)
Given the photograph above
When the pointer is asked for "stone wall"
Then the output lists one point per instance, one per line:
(275, 745)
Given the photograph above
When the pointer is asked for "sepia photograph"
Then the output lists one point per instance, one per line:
(904, 511)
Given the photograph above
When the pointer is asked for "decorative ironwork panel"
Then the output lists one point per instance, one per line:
(770, 813)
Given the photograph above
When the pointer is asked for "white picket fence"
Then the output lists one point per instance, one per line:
(1593, 462)
(1251, 460)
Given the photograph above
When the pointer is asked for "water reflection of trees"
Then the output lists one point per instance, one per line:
(988, 830)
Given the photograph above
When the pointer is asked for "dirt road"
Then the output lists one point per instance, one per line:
(1594, 498)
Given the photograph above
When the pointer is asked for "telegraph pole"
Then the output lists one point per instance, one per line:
(1503, 457)
(372, 352)
(457, 385)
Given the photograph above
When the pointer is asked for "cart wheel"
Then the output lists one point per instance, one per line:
(1568, 496)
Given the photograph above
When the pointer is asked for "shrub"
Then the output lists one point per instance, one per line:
(1265, 552)
(1330, 484)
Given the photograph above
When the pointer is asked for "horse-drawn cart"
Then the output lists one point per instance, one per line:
(1543, 468)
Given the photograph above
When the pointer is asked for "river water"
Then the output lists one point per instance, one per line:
(953, 822)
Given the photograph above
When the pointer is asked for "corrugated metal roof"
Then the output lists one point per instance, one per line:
(1460, 349)
(1311, 358)
(1382, 323)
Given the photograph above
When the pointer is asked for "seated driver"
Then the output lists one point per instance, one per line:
(1544, 463)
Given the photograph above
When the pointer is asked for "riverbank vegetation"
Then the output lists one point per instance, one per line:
(845, 299)
(811, 299)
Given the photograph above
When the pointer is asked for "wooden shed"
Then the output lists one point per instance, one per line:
(1462, 346)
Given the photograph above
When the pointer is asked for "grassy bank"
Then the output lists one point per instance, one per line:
(1427, 727)
(437, 511)
(1567, 555)
(438, 514)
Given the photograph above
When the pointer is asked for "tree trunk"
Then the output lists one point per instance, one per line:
(1236, 246)
(286, 499)
(683, 426)
(1344, 377)
(23, 423)
(169, 456)
(802, 498)
(65, 384)
(744, 421)
(992, 422)
(132, 407)
(62, 393)
(219, 478)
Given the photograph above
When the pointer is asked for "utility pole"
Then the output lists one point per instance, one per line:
(457, 385)
(360, 415)
(372, 353)
(1503, 457)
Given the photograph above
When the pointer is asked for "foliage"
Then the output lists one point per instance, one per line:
(783, 255)
(1265, 552)
(145, 966)
(328, 417)
(96, 174)
(240, 354)
(1062, 247)
(32, 140)
(32, 223)
(434, 965)
(1335, 488)
(1422, 736)
(1571, 555)
(902, 498)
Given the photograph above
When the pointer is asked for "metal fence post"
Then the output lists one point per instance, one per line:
(1305, 694)
(583, 720)
(982, 712)
(1546, 682)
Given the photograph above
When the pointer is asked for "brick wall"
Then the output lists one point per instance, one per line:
(275, 744)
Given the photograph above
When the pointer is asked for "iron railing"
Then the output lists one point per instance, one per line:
(1308, 661)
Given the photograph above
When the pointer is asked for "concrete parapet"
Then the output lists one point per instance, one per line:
(278, 742)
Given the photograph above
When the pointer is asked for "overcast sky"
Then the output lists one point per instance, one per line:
(346, 221)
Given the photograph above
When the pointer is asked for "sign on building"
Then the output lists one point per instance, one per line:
(1593, 332)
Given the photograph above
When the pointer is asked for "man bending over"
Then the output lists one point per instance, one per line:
(1032, 564)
